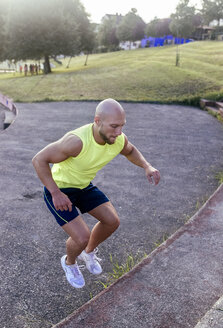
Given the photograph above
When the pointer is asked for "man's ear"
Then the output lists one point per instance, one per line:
(97, 120)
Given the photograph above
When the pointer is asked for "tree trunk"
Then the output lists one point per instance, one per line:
(47, 68)
(85, 64)
(177, 57)
(69, 62)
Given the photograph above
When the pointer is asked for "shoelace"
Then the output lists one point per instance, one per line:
(94, 256)
(76, 269)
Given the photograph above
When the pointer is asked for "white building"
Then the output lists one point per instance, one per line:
(128, 45)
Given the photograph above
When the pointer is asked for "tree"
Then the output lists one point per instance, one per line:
(182, 20)
(197, 20)
(132, 27)
(108, 30)
(88, 40)
(158, 27)
(182, 23)
(40, 29)
(212, 10)
(3, 22)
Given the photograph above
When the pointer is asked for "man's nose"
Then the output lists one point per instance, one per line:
(119, 131)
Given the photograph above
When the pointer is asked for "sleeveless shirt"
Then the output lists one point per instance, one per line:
(77, 172)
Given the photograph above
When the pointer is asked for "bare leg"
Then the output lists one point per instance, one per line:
(79, 234)
(108, 223)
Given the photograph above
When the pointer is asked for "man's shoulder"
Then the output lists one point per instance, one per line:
(84, 127)
(81, 131)
(72, 144)
(79, 138)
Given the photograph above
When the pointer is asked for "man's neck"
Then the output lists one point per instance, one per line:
(97, 136)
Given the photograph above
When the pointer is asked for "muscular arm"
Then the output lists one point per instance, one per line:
(135, 156)
(68, 146)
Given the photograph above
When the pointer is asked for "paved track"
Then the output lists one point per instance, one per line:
(173, 287)
(184, 143)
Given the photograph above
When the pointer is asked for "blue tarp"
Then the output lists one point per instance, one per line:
(159, 42)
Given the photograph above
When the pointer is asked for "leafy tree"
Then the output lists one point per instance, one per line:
(158, 27)
(3, 23)
(197, 20)
(212, 10)
(40, 29)
(108, 30)
(151, 27)
(2, 41)
(88, 40)
(182, 20)
(132, 27)
(85, 29)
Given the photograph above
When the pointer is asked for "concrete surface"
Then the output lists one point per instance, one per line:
(172, 287)
(2, 117)
(9, 117)
(183, 142)
(214, 317)
(6, 117)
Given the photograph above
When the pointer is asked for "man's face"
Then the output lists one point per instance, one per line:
(111, 127)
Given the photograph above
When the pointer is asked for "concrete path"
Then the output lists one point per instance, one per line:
(173, 287)
(2, 117)
(184, 143)
(214, 317)
(6, 117)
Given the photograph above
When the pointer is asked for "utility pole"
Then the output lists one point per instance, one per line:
(177, 49)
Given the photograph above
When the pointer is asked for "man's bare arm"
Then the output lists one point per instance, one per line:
(135, 156)
(68, 146)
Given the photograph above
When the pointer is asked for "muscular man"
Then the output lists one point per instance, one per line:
(77, 157)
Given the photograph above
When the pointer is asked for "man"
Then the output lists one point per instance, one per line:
(77, 157)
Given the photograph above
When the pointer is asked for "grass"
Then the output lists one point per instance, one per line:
(216, 115)
(219, 177)
(160, 241)
(201, 202)
(143, 75)
(118, 270)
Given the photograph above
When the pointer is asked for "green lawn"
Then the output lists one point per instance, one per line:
(139, 75)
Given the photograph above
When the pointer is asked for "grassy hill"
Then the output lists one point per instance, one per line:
(139, 75)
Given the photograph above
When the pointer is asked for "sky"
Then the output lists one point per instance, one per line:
(147, 9)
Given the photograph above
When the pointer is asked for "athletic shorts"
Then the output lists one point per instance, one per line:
(84, 199)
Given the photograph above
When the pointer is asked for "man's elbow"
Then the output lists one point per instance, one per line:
(130, 151)
(35, 160)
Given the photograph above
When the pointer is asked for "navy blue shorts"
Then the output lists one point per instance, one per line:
(84, 199)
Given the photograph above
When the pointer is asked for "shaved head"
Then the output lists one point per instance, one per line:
(108, 121)
(108, 107)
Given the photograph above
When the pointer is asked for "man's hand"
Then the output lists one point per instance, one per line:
(152, 174)
(61, 201)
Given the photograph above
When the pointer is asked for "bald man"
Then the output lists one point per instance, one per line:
(76, 159)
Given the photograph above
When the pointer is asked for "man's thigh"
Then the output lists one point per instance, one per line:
(105, 213)
(77, 229)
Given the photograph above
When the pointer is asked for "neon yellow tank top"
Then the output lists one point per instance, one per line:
(78, 172)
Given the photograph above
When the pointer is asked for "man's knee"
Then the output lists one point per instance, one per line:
(82, 240)
(114, 222)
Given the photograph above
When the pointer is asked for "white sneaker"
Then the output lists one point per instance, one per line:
(91, 261)
(73, 273)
